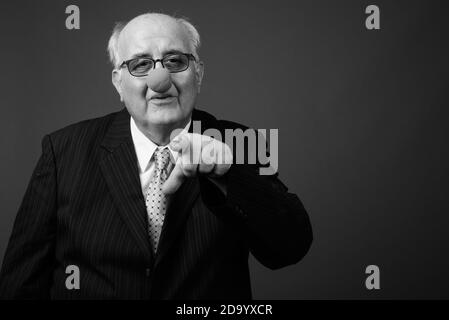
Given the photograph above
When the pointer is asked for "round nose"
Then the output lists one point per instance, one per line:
(159, 80)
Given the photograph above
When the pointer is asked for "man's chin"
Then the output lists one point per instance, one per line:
(167, 117)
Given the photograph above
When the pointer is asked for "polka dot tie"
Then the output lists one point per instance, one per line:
(156, 201)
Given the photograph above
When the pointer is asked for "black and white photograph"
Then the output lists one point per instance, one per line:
(224, 151)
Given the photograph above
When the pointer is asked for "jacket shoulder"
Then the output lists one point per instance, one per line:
(81, 131)
(212, 122)
(83, 136)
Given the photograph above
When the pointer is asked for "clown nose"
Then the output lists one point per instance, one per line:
(159, 80)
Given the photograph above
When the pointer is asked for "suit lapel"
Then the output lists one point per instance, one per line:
(119, 168)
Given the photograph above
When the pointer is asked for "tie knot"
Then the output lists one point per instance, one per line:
(162, 158)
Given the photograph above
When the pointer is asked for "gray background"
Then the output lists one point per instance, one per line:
(361, 116)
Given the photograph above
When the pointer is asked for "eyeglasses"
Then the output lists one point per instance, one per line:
(176, 62)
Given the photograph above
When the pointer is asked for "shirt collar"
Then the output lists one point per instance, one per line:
(145, 147)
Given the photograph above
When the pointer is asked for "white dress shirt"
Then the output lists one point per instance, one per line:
(144, 150)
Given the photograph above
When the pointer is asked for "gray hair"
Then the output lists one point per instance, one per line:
(194, 37)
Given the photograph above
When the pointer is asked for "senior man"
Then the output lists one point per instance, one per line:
(114, 199)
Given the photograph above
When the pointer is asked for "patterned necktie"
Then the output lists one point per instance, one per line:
(156, 201)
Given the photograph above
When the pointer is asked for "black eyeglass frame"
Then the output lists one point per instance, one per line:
(155, 61)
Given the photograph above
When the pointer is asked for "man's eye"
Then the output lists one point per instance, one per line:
(174, 61)
(141, 65)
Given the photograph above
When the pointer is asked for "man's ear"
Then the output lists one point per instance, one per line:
(199, 70)
(117, 81)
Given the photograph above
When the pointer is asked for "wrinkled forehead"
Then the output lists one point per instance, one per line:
(153, 36)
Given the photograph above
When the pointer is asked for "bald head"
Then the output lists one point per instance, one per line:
(148, 26)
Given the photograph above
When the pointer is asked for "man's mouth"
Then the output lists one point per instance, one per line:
(162, 99)
(161, 96)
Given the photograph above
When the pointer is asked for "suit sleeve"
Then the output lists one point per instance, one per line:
(276, 225)
(30, 256)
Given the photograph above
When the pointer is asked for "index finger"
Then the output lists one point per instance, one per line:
(174, 180)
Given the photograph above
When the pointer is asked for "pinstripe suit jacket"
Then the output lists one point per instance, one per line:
(84, 207)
